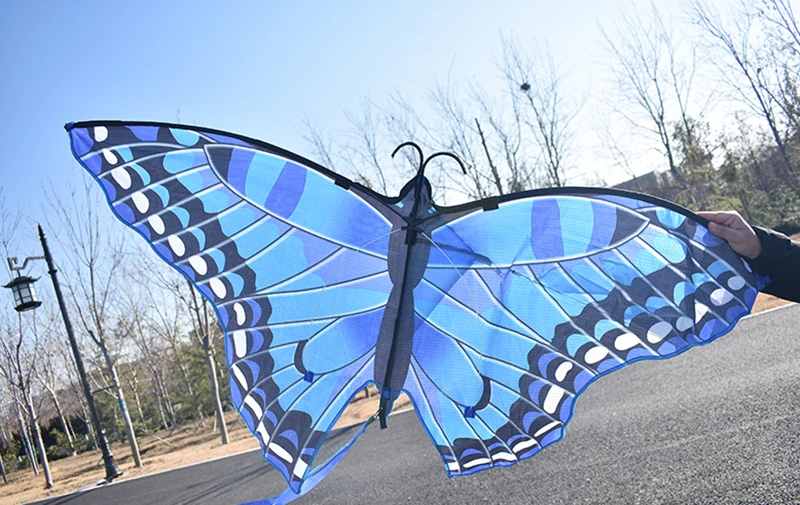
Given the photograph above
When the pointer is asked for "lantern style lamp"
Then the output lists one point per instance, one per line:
(24, 293)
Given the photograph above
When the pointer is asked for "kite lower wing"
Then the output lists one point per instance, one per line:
(522, 307)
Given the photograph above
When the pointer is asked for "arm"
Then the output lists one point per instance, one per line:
(780, 260)
(770, 253)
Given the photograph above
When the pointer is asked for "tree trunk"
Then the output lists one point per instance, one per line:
(167, 401)
(495, 174)
(70, 428)
(115, 412)
(182, 367)
(123, 407)
(37, 435)
(212, 372)
(4, 435)
(64, 425)
(135, 389)
(203, 326)
(160, 406)
(88, 422)
(23, 430)
(3, 471)
(202, 417)
(212, 375)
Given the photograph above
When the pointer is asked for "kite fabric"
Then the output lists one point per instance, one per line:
(493, 316)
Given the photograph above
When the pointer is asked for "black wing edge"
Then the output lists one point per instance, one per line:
(491, 203)
(338, 179)
(486, 204)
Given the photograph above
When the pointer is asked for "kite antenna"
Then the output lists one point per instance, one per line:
(410, 144)
(424, 162)
(450, 155)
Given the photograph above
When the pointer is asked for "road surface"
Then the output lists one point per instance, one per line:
(718, 424)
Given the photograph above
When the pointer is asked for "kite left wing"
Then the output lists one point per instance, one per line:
(295, 266)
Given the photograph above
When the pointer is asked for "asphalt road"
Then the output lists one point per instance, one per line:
(718, 424)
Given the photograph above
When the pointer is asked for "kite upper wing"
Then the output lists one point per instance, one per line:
(520, 308)
(267, 237)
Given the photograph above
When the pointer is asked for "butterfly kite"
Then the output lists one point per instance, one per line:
(492, 316)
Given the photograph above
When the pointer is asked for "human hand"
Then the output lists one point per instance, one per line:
(730, 226)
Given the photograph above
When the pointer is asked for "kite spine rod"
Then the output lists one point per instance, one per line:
(411, 239)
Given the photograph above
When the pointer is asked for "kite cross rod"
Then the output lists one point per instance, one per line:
(423, 162)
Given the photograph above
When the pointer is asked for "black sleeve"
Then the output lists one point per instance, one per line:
(780, 260)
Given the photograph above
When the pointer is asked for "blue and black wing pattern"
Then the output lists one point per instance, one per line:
(520, 308)
(494, 316)
(295, 265)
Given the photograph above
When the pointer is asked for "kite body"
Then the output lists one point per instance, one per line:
(492, 316)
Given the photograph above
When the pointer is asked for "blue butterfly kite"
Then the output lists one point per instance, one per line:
(493, 316)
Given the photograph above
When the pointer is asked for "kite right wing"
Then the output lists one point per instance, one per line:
(522, 307)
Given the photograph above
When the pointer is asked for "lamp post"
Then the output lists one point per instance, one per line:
(25, 299)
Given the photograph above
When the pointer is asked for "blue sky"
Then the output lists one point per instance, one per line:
(256, 68)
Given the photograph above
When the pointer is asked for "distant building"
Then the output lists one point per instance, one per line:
(655, 183)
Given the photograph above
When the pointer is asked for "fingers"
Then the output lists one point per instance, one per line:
(731, 218)
(711, 216)
(730, 226)
(722, 231)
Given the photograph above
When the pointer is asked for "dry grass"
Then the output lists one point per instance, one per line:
(767, 302)
(160, 451)
(164, 451)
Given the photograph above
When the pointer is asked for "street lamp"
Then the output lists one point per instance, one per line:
(25, 299)
(22, 287)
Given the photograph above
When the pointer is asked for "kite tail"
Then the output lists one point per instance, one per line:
(315, 476)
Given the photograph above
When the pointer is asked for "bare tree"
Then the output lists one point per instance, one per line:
(652, 78)
(18, 356)
(521, 140)
(49, 372)
(457, 130)
(156, 321)
(782, 39)
(745, 65)
(24, 431)
(94, 260)
(534, 78)
(621, 158)
(76, 392)
(779, 14)
(133, 385)
(165, 322)
(138, 329)
(204, 328)
(498, 182)
(359, 152)
(205, 331)
(5, 441)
